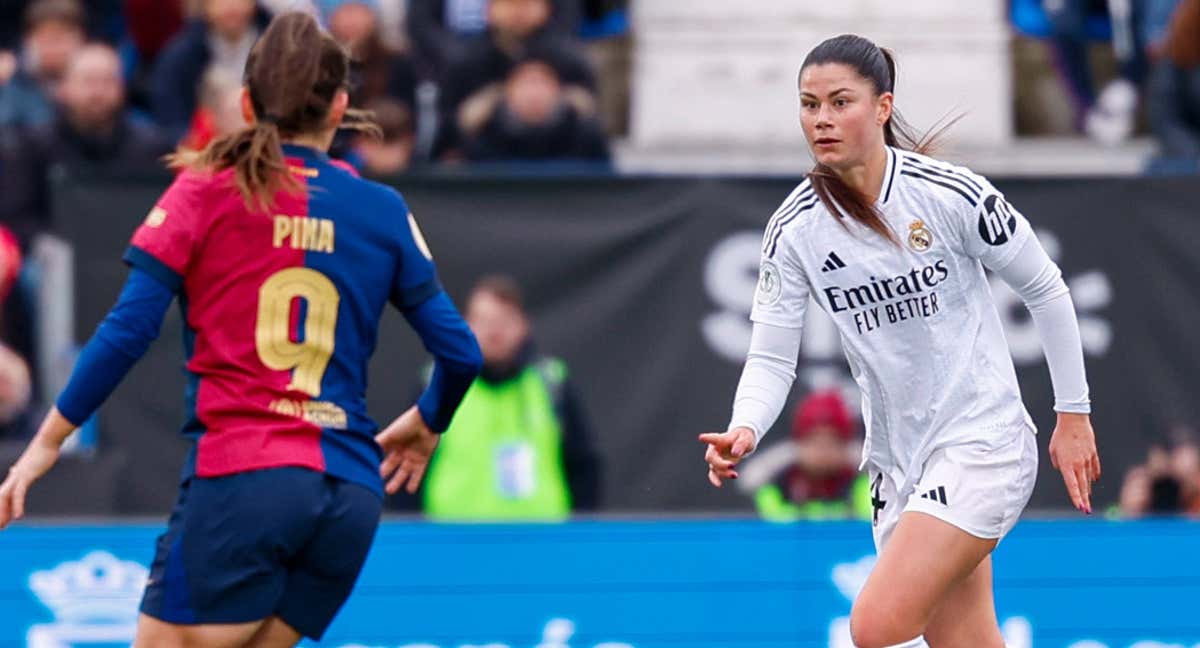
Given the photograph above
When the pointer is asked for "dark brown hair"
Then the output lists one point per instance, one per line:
(293, 75)
(502, 287)
(68, 12)
(878, 66)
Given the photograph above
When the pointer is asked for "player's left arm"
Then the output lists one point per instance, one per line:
(1001, 237)
(418, 294)
(119, 342)
(409, 441)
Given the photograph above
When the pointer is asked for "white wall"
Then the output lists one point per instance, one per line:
(723, 72)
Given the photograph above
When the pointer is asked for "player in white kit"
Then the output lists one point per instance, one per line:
(893, 245)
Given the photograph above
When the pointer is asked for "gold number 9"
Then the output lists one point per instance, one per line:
(306, 360)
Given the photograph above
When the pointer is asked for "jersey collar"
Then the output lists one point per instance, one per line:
(308, 154)
(889, 176)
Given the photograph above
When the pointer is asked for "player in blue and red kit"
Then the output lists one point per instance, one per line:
(282, 262)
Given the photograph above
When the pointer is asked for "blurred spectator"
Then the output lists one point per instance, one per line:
(15, 385)
(1185, 466)
(220, 110)
(380, 71)
(150, 25)
(814, 475)
(1173, 93)
(1107, 116)
(91, 127)
(221, 37)
(392, 152)
(609, 48)
(1134, 499)
(15, 389)
(532, 118)
(519, 447)
(517, 29)
(10, 262)
(54, 31)
(442, 31)
(1168, 483)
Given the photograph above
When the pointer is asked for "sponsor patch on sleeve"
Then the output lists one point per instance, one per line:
(997, 222)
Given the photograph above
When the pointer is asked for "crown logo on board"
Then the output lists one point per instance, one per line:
(97, 587)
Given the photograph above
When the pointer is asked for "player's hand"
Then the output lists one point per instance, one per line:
(725, 450)
(38, 458)
(34, 462)
(407, 446)
(1073, 453)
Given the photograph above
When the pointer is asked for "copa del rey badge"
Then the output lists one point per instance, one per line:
(920, 238)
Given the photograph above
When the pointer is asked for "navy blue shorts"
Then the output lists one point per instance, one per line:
(286, 542)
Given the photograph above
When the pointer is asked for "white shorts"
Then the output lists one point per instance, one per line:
(974, 486)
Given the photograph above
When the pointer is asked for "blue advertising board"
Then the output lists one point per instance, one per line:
(644, 584)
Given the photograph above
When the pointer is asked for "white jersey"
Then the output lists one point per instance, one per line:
(917, 322)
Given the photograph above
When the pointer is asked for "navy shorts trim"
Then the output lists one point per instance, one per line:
(287, 542)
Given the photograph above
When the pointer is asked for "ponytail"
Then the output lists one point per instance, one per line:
(293, 74)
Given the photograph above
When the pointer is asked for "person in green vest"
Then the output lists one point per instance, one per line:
(519, 446)
(814, 474)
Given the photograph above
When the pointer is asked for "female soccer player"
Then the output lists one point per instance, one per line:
(893, 245)
(282, 262)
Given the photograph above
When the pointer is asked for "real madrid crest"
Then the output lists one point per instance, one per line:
(920, 238)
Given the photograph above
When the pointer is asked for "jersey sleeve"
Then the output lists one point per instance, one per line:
(166, 242)
(992, 231)
(416, 279)
(781, 297)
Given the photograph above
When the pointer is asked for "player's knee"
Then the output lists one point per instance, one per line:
(876, 626)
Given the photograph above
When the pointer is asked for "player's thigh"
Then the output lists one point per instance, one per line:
(924, 560)
(322, 575)
(967, 616)
(274, 633)
(153, 633)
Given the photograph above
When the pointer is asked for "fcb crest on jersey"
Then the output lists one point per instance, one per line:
(920, 238)
(156, 217)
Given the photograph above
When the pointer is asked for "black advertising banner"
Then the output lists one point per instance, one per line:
(644, 287)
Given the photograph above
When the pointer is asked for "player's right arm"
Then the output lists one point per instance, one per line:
(780, 303)
(161, 251)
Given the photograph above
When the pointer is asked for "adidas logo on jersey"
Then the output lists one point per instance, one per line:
(938, 495)
(833, 262)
